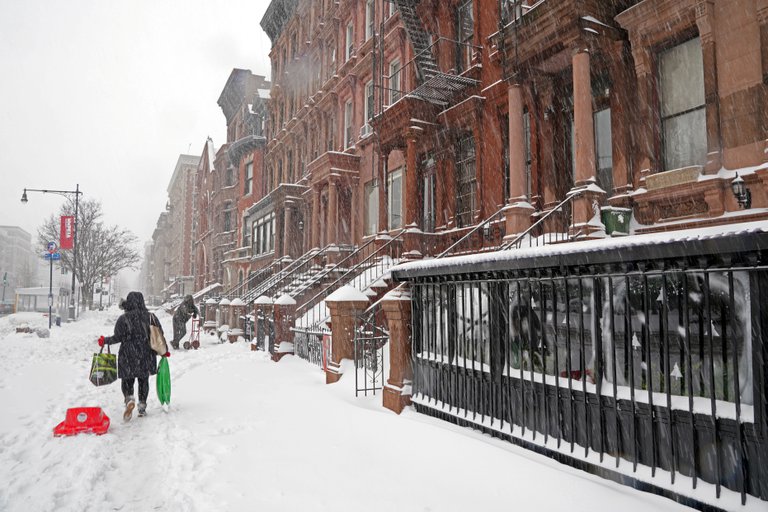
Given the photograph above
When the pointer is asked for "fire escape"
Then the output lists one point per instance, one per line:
(434, 86)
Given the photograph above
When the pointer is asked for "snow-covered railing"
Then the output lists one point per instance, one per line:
(642, 350)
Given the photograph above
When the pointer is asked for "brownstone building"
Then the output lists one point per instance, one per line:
(244, 102)
(322, 184)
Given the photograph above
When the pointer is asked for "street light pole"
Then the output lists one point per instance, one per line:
(74, 262)
(67, 194)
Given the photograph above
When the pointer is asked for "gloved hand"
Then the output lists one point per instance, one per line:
(101, 341)
(167, 354)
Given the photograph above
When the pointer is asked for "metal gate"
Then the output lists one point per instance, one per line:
(370, 339)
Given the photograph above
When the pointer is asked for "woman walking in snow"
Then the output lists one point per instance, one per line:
(180, 318)
(135, 359)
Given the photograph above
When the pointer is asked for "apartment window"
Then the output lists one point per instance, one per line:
(465, 32)
(527, 142)
(368, 19)
(248, 178)
(368, 102)
(683, 115)
(604, 149)
(246, 235)
(428, 194)
(466, 181)
(264, 234)
(289, 169)
(389, 8)
(371, 207)
(350, 42)
(229, 177)
(331, 133)
(227, 218)
(395, 199)
(394, 81)
(349, 138)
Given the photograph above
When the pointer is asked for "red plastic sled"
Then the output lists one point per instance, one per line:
(83, 420)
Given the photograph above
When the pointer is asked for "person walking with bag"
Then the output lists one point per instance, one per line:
(180, 319)
(136, 360)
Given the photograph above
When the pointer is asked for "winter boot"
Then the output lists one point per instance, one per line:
(175, 345)
(142, 409)
(130, 403)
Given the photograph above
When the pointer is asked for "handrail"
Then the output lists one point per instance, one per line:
(237, 289)
(327, 290)
(328, 270)
(288, 271)
(472, 231)
(569, 197)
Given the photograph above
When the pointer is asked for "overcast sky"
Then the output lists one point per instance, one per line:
(107, 94)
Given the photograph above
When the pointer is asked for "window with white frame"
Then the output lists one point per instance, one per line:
(369, 19)
(264, 234)
(248, 189)
(349, 137)
(395, 198)
(682, 104)
(465, 33)
(604, 149)
(371, 207)
(394, 81)
(368, 108)
(350, 43)
(227, 217)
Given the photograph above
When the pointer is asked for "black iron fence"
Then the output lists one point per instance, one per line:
(650, 354)
(371, 338)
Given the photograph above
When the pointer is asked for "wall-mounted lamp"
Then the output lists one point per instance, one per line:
(24, 197)
(741, 192)
(301, 225)
(549, 111)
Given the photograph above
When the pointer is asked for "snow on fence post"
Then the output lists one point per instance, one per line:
(345, 304)
(285, 314)
(397, 308)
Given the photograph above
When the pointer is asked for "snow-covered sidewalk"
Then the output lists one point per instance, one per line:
(244, 433)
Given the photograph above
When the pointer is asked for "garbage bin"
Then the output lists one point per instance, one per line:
(58, 321)
(616, 220)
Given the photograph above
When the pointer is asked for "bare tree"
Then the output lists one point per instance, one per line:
(102, 251)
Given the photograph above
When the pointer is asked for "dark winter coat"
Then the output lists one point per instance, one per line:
(186, 309)
(135, 359)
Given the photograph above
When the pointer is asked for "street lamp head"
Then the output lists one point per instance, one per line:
(24, 197)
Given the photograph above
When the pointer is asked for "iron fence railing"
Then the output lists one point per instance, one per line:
(474, 240)
(371, 338)
(554, 226)
(258, 277)
(367, 266)
(656, 361)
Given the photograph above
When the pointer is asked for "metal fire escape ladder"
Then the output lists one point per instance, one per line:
(434, 86)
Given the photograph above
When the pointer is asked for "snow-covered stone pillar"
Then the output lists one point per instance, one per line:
(345, 304)
(586, 207)
(262, 308)
(236, 310)
(518, 214)
(397, 308)
(285, 315)
(223, 317)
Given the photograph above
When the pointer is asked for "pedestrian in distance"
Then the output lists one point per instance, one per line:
(135, 359)
(180, 318)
